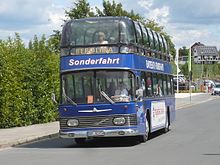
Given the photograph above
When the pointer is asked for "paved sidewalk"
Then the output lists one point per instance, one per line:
(184, 99)
(18, 135)
(14, 136)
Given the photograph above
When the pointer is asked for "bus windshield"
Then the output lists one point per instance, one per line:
(86, 87)
(90, 32)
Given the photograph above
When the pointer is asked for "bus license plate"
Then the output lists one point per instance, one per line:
(98, 133)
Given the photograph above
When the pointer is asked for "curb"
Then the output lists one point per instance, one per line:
(28, 140)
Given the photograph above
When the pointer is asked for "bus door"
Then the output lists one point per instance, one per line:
(141, 110)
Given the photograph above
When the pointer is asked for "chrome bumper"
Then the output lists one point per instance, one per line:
(99, 133)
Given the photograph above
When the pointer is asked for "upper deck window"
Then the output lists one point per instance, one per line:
(90, 32)
(151, 38)
(156, 41)
(127, 32)
(110, 35)
(145, 37)
(138, 33)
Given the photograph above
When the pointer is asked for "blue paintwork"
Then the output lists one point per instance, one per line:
(119, 61)
(140, 108)
(117, 108)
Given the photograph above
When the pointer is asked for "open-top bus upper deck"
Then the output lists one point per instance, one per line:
(119, 35)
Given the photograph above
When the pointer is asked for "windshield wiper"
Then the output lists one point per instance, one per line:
(68, 98)
(106, 96)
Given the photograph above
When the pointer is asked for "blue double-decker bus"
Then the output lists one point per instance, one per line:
(116, 80)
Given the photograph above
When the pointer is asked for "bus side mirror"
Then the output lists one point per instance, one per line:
(53, 98)
(139, 94)
(143, 84)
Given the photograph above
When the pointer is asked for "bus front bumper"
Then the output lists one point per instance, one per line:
(99, 133)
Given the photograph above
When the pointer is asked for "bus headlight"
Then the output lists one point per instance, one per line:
(119, 121)
(72, 122)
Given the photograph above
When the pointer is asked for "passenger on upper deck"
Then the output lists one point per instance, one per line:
(101, 38)
(124, 40)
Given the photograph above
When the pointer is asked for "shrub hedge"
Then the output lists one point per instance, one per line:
(28, 78)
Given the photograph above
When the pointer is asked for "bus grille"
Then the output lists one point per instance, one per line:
(98, 121)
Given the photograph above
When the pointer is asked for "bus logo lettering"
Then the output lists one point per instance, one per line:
(90, 61)
(154, 65)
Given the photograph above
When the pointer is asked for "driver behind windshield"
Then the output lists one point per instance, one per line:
(121, 90)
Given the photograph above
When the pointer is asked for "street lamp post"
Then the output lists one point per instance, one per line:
(190, 72)
(202, 64)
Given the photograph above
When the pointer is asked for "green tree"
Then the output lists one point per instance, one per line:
(54, 41)
(114, 9)
(183, 51)
(80, 9)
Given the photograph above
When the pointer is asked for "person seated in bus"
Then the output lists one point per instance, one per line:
(149, 87)
(101, 38)
(158, 91)
(121, 90)
(123, 39)
(111, 88)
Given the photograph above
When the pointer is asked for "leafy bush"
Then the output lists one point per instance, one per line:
(28, 77)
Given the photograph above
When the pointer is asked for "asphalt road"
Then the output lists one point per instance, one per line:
(193, 140)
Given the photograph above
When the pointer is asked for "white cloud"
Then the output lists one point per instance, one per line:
(160, 15)
(29, 17)
(147, 4)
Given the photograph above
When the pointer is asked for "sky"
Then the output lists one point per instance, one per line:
(187, 21)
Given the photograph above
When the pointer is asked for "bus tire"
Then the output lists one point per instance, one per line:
(80, 140)
(144, 138)
(167, 124)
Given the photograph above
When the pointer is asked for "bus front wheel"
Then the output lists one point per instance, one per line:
(145, 137)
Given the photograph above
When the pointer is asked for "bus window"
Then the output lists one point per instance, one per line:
(150, 38)
(145, 40)
(167, 51)
(143, 78)
(149, 86)
(78, 86)
(139, 38)
(87, 85)
(145, 37)
(160, 45)
(160, 91)
(127, 36)
(164, 47)
(87, 33)
(138, 33)
(165, 84)
(156, 43)
(155, 84)
(169, 88)
(172, 85)
(127, 32)
(153, 43)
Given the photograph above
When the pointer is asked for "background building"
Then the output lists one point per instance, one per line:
(202, 54)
